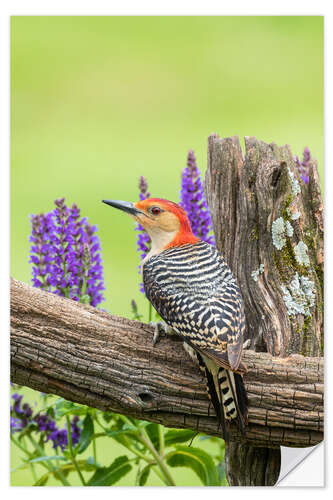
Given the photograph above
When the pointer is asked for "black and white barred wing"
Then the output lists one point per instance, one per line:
(212, 325)
(226, 329)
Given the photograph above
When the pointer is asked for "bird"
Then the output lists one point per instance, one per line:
(192, 288)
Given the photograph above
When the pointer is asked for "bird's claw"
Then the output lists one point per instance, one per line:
(247, 344)
(160, 329)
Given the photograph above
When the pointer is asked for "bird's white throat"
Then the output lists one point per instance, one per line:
(159, 240)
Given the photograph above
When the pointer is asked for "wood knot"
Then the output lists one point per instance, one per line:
(146, 397)
(276, 174)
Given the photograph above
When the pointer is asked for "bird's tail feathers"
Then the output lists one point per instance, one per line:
(241, 396)
(228, 395)
(233, 397)
(214, 396)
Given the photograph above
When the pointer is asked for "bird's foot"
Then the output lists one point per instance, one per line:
(247, 344)
(160, 329)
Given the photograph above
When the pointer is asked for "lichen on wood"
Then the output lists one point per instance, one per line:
(262, 194)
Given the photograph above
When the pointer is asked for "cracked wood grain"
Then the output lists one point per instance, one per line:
(94, 358)
(246, 194)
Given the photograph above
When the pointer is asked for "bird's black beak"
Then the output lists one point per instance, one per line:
(125, 206)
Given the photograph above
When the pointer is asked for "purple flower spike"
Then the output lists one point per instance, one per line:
(42, 423)
(304, 167)
(66, 255)
(92, 261)
(75, 430)
(20, 415)
(192, 199)
(42, 250)
(59, 438)
(143, 242)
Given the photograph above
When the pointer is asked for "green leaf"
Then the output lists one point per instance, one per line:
(175, 436)
(197, 460)
(106, 476)
(86, 434)
(115, 434)
(46, 459)
(64, 407)
(67, 454)
(107, 416)
(83, 464)
(91, 464)
(129, 427)
(143, 475)
(212, 439)
(221, 472)
(204, 438)
(20, 467)
(85, 299)
(119, 436)
(152, 431)
(42, 480)
(142, 423)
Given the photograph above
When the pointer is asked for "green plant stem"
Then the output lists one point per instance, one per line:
(105, 429)
(33, 472)
(56, 471)
(56, 461)
(150, 312)
(125, 419)
(18, 444)
(26, 451)
(146, 459)
(159, 460)
(144, 438)
(94, 451)
(32, 468)
(161, 439)
(70, 446)
(134, 450)
(138, 453)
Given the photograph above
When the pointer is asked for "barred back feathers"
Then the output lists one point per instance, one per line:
(194, 291)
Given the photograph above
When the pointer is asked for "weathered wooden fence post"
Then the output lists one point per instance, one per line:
(268, 225)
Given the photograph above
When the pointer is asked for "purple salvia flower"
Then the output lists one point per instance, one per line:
(58, 438)
(44, 424)
(143, 238)
(193, 201)
(17, 405)
(42, 250)
(143, 242)
(93, 262)
(65, 252)
(15, 425)
(75, 430)
(20, 415)
(304, 167)
(65, 278)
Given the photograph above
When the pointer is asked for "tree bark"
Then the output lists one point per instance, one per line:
(91, 357)
(268, 225)
(248, 465)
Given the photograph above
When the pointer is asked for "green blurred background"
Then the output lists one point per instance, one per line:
(98, 101)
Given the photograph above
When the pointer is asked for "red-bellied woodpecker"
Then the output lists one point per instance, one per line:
(192, 288)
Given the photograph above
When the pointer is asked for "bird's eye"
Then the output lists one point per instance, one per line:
(155, 210)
